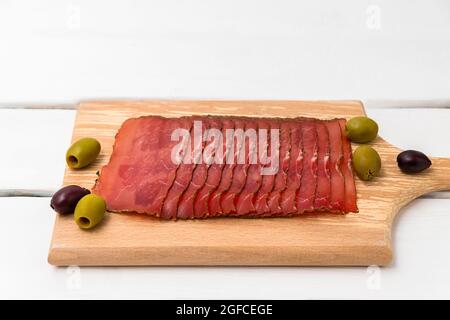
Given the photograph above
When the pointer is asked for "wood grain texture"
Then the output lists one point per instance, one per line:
(314, 239)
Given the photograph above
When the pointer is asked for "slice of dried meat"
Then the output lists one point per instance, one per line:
(184, 173)
(244, 199)
(215, 206)
(307, 191)
(274, 198)
(337, 195)
(322, 198)
(202, 207)
(288, 197)
(346, 169)
(267, 183)
(227, 201)
(199, 175)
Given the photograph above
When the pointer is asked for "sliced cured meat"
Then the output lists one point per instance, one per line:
(140, 171)
(244, 199)
(346, 169)
(267, 183)
(288, 197)
(201, 205)
(337, 188)
(215, 207)
(307, 191)
(184, 172)
(155, 168)
(322, 198)
(274, 198)
(185, 208)
(239, 176)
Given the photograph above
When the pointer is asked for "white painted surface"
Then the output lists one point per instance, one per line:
(419, 129)
(67, 50)
(33, 144)
(420, 269)
(71, 50)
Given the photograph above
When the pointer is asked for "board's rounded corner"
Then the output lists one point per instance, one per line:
(386, 256)
(53, 258)
(360, 103)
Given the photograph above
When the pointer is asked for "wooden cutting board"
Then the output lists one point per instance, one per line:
(315, 239)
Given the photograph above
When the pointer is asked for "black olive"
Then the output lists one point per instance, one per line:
(65, 200)
(412, 161)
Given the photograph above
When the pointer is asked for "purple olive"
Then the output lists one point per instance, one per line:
(412, 161)
(65, 199)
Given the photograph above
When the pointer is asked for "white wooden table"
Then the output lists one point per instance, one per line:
(56, 53)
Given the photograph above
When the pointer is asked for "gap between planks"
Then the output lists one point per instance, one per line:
(36, 193)
(368, 104)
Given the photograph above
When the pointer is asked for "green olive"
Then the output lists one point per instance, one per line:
(82, 153)
(367, 162)
(361, 129)
(89, 211)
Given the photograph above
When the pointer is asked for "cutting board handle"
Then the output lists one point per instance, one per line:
(440, 171)
(436, 178)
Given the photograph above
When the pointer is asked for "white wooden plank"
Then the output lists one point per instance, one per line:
(221, 49)
(421, 129)
(369, 104)
(33, 144)
(36, 141)
(420, 269)
(407, 104)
